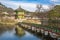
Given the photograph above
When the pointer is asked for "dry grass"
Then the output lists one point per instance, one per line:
(32, 21)
(7, 21)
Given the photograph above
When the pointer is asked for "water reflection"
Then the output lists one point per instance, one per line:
(10, 35)
(19, 31)
(19, 35)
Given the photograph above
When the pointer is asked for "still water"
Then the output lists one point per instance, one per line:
(10, 35)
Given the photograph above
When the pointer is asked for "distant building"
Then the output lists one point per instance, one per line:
(20, 13)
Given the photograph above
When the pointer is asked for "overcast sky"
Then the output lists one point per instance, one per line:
(29, 5)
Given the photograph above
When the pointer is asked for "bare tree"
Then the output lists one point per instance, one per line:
(38, 8)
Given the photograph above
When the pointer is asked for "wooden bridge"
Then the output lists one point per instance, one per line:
(41, 30)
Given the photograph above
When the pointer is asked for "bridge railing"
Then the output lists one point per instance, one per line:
(53, 29)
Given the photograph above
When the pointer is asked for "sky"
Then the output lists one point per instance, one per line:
(29, 5)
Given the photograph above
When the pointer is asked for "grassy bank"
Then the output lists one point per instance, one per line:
(7, 24)
(7, 21)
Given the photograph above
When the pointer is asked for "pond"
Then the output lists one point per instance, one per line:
(11, 35)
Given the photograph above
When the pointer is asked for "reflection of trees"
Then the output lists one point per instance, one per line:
(4, 28)
(1, 31)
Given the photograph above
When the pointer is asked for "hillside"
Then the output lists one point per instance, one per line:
(3, 8)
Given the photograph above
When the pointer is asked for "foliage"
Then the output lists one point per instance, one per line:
(54, 16)
(55, 13)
